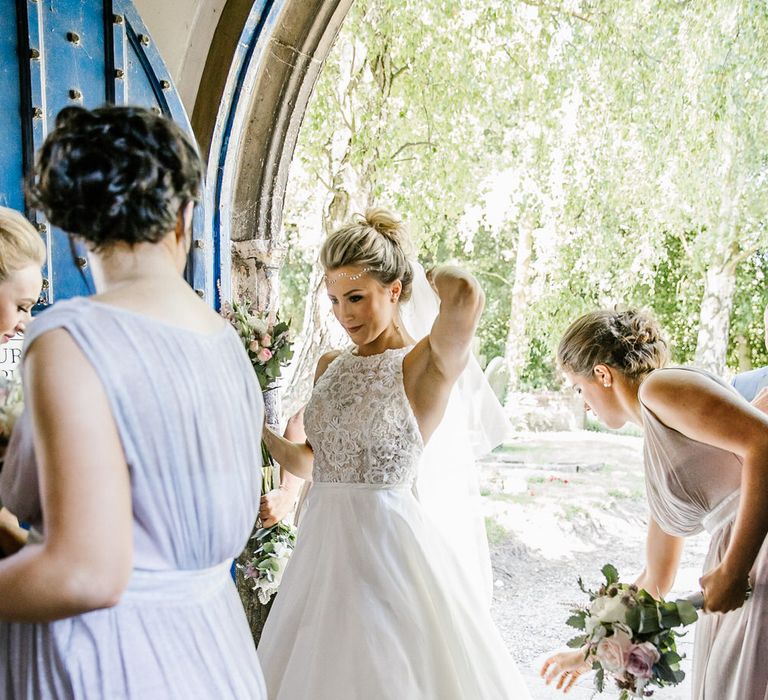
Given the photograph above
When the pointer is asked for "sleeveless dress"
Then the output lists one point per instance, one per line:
(187, 408)
(692, 487)
(371, 605)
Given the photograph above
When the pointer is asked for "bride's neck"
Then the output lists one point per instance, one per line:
(394, 336)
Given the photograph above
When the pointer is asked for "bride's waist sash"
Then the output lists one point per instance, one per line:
(359, 486)
(180, 586)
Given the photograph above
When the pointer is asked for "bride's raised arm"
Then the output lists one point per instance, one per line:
(461, 304)
(432, 367)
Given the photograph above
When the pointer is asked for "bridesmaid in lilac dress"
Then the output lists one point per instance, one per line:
(137, 458)
(706, 468)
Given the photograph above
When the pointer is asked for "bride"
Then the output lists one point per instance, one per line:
(375, 603)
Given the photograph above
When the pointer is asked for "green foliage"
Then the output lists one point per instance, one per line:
(496, 532)
(632, 135)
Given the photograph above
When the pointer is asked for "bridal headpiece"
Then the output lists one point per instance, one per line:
(352, 276)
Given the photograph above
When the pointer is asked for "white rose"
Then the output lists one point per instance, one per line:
(609, 609)
(281, 550)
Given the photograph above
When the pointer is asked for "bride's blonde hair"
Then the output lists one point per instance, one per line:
(377, 240)
(20, 243)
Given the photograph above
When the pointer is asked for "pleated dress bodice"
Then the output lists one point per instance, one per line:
(187, 407)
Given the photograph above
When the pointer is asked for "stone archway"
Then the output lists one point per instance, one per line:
(263, 62)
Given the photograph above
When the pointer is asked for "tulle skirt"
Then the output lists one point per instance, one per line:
(372, 607)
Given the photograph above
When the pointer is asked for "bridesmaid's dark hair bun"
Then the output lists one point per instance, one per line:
(629, 340)
(115, 174)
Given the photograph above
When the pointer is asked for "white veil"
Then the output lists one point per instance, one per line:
(474, 423)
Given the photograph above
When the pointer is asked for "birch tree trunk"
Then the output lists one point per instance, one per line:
(320, 332)
(517, 342)
(715, 317)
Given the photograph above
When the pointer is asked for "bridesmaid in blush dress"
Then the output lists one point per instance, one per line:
(706, 468)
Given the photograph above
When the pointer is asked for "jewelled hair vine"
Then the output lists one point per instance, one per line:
(351, 276)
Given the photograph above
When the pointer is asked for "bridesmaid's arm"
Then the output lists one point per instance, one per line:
(662, 557)
(86, 559)
(705, 411)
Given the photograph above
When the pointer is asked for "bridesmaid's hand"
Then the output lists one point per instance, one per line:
(565, 667)
(723, 591)
(12, 537)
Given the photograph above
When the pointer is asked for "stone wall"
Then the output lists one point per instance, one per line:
(545, 411)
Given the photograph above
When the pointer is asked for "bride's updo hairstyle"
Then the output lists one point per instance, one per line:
(115, 175)
(630, 341)
(377, 240)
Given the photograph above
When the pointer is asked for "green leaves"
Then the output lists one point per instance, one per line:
(577, 620)
(686, 612)
(610, 573)
(577, 642)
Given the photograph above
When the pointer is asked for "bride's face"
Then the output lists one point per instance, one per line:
(362, 305)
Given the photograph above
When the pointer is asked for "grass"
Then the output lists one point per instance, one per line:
(571, 512)
(595, 426)
(496, 532)
(521, 498)
(633, 495)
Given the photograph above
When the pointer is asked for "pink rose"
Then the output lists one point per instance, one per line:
(641, 659)
(266, 340)
(264, 355)
(613, 651)
(254, 346)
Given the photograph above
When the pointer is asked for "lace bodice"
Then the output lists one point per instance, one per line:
(360, 423)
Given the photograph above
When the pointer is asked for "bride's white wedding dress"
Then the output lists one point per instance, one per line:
(372, 605)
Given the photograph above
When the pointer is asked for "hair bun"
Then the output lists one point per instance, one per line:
(387, 224)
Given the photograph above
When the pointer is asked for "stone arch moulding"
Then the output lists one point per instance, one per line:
(247, 119)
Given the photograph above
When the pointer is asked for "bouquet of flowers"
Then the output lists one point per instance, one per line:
(269, 347)
(274, 545)
(11, 406)
(629, 636)
(270, 557)
(266, 340)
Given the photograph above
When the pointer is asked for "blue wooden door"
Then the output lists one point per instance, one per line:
(79, 52)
